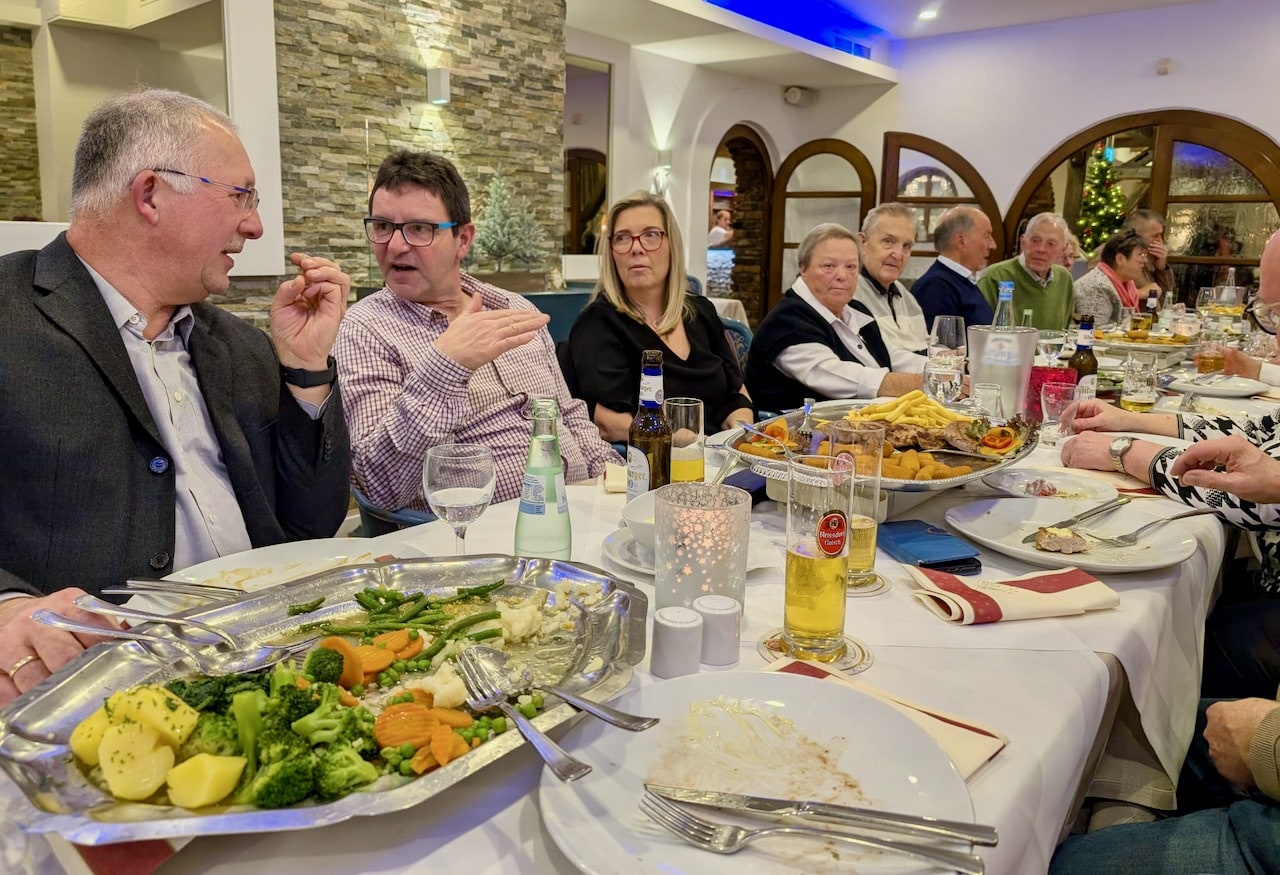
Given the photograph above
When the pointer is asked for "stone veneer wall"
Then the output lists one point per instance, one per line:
(347, 63)
(19, 155)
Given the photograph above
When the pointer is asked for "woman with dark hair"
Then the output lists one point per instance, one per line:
(641, 302)
(1103, 291)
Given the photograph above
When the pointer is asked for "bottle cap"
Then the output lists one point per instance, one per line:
(721, 628)
(677, 642)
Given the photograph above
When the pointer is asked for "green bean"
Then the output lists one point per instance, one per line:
(484, 634)
(470, 592)
(305, 607)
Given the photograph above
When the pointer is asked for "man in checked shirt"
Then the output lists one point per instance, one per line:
(436, 356)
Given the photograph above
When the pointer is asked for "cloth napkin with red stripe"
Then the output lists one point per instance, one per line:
(1060, 592)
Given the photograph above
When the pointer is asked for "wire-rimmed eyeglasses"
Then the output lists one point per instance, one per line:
(416, 233)
(246, 198)
(650, 240)
(1265, 316)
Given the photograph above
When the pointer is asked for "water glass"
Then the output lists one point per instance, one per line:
(819, 505)
(947, 338)
(1138, 390)
(943, 378)
(458, 482)
(700, 542)
(685, 417)
(986, 397)
(1054, 399)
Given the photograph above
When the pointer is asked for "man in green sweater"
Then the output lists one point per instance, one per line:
(1040, 284)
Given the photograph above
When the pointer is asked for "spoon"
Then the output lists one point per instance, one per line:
(494, 663)
(98, 606)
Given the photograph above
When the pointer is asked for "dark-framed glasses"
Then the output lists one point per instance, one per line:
(650, 240)
(1265, 316)
(417, 233)
(246, 198)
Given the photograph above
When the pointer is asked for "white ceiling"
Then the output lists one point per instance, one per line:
(698, 33)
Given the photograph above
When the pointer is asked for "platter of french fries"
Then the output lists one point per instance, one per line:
(928, 447)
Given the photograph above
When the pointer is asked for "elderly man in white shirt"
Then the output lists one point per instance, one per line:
(888, 233)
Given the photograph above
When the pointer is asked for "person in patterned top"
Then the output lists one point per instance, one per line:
(436, 356)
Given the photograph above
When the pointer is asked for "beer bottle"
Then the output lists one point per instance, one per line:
(1083, 360)
(542, 522)
(649, 440)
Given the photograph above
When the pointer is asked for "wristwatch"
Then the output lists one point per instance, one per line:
(1118, 448)
(304, 379)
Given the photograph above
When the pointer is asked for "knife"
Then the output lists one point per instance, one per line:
(884, 821)
(1082, 516)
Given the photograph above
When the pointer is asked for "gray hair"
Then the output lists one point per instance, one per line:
(1053, 219)
(957, 220)
(821, 234)
(892, 209)
(1137, 217)
(142, 130)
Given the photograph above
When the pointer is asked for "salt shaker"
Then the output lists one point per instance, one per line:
(677, 642)
(721, 628)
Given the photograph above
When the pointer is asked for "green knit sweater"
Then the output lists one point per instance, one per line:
(1051, 305)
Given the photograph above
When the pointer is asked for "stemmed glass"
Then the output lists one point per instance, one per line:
(944, 370)
(458, 481)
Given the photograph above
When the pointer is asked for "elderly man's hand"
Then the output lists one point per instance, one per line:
(477, 336)
(1237, 364)
(1157, 255)
(306, 312)
(1090, 450)
(1229, 730)
(1231, 464)
(29, 651)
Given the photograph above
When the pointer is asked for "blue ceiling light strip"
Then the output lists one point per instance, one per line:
(825, 22)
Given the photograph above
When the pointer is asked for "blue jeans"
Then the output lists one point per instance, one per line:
(1225, 832)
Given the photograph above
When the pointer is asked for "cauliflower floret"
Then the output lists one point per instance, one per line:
(520, 622)
(445, 686)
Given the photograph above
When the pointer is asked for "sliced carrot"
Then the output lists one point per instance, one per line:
(397, 639)
(423, 697)
(412, 649)
(347, 698)
(301, 683)
(423, 760)
(475, 742)
(370, 678)
(447, 745)
(452, 717)
(352, 671)
(404, 723)
(374, 659)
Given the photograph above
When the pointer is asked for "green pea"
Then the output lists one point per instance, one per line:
(499, 725)
(357, 690)
(413, 635)
(406, 769)
(537, 701)
(528, 710)
(393, 675)
(407, 750)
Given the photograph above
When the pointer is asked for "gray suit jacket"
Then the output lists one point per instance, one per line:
(86, 491)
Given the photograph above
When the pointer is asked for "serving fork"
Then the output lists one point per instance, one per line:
(483, 694)
(727, 838)
(1131, 538)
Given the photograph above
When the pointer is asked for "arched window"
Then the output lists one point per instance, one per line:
(1215, 180)
(821, 181)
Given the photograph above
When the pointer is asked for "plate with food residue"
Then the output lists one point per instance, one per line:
(1050, 483)
(760, 733)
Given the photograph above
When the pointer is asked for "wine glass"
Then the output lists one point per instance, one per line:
(944, 378)
(947, 339)
(458, 481)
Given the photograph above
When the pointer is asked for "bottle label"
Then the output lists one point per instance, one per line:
(637, 472)
(533, 495)
(833, 532)
(1088, 386)
(1001, 350)
(651, 388)
(562, 498)
(1084, 338)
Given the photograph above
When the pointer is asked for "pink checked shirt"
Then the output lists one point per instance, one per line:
(402, 396)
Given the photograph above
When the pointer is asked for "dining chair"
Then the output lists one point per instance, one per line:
(739, 336)
(376, 520)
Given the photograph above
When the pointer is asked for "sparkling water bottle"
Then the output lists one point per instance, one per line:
(542, 522)
(1003, 317)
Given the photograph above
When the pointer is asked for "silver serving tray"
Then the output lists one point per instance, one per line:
(830, 410)
(595, 659)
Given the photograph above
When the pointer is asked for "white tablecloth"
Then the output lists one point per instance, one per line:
(730, 308)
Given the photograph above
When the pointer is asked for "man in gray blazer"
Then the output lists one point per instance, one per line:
(143, 429)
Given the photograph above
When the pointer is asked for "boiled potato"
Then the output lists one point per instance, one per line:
(87, 735)
(203, 780)
(158, 708)
(134, 760)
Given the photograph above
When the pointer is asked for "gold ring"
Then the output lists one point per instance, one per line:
(22, 663)
(514, 331)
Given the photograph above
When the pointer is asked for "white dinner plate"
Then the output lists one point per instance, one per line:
(621, 548)
(253, 570)
(1230, 387)
(1021, 483)
(1002, 523)
(747, 732)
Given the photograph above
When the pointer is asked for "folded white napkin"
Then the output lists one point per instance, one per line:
(968, 743)
(1062, 592)
(615, 478)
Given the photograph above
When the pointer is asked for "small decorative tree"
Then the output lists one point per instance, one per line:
(506, 227)
(1102, 206)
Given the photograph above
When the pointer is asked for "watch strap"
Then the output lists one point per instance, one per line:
(305, 379)
(1117, 449)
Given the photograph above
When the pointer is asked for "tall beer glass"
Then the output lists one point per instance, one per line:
(819, 501)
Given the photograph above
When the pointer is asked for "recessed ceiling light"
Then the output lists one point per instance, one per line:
(928, 15)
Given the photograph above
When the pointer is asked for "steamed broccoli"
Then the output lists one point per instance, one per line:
(214, 734)
(283, 676)
(289, 705)
(276, 745)
(246, 711)
(340, 770)
(216, 693)
(276, 785)
(323, 665)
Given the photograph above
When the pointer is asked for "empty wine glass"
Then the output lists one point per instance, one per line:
(947, 339)
(458, 481)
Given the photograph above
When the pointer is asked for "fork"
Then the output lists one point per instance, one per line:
(482, 695)
(787, 452)
(727, 838)
(1128, 540)
(1188, 403)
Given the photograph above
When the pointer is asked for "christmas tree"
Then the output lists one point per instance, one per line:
(507, 227)
(1102, 205)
